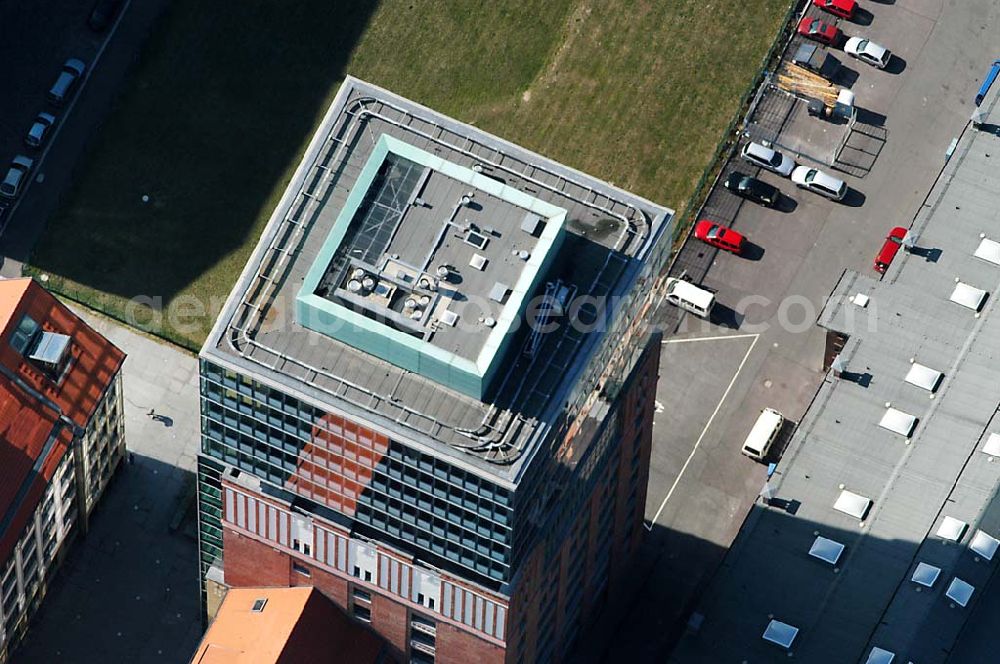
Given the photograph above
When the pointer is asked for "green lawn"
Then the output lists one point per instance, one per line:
(224, 99)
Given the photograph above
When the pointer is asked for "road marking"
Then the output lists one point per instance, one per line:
(718, 407)
(719, 338)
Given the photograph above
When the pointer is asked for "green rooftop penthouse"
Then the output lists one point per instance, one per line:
(429, 266)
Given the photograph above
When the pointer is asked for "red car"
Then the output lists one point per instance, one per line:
(813, 28)
(893, 241)
(841, 8)
(719, 236)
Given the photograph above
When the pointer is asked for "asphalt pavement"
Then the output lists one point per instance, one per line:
(764, 348)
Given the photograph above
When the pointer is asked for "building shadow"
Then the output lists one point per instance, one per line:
(687, 591)
(245, 91)
(130, 584)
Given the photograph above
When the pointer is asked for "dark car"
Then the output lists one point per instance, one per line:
(809, 56)
(103, 14)
(752, 189)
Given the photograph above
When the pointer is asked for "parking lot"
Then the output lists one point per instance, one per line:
(762, 348)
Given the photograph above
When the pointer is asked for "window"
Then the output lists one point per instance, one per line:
(24, 333)
(301, 569)
(363, 613)
(259, 604)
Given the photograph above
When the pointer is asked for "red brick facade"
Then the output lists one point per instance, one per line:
(622, 488)
(587, 567)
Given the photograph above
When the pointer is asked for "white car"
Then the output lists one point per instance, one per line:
(18, 173)
(868, 51)
(819, 182)
(767, 158)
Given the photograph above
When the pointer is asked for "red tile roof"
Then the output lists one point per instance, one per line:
(27, 422)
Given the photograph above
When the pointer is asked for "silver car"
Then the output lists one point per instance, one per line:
(767, 158)
(819, 182)
(868, 51)
(39, 130)
(16, 175)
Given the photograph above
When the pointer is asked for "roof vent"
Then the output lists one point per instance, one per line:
(499, 292)
(489, 321)
(443, 272)
(449, 317)
(478, 261)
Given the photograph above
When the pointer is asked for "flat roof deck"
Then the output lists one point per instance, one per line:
(608, 235)
(868, 600)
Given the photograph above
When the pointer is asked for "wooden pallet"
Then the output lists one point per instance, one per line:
(800, 81)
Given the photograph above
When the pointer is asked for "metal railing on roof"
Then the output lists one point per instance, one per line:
(496, 437)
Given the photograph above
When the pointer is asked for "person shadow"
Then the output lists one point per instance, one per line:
(165, 420)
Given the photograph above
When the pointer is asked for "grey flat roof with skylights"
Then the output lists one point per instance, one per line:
(429, 265)
(899, 469)
(393, 278)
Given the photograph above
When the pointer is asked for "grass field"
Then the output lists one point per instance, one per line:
(223, 102)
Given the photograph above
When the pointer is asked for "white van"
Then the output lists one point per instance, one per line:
(761, 437)
(689, 297)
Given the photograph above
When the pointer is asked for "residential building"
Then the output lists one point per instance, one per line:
(285, 626)
(429, 395)
(61, 439)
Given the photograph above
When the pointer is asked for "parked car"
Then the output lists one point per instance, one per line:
(814, 28)
(753, 189)
(39, 130)
(893, 241)
(819, 182)
(809, 56)
(16, 175)
(841, 8)
(868, 51)
(103, 14)
(69, 78)
(719, 236)
(767, 158)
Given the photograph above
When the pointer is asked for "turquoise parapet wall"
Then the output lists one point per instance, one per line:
(403, 350)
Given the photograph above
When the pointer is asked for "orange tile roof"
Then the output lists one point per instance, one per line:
(26, 420)
(295, 625)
